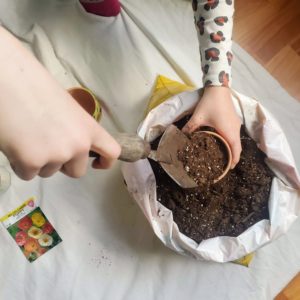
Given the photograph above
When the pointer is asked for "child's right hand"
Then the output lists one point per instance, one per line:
(215, 109)
(42, 129)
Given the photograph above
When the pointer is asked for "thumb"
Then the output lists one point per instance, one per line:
(236, 149)
(106, 146)
(195, 122)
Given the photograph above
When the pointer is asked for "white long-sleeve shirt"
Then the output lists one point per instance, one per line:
(214, 22)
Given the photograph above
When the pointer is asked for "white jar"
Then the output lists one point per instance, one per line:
(4, 180)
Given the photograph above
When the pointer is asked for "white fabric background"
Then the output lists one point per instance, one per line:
(109, 250)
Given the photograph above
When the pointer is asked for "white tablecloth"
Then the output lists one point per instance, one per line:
(108, 249)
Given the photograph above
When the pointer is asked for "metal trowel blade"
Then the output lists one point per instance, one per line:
(172, 141)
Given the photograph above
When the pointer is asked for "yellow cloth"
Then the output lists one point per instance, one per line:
(165, 88)
(245, 260)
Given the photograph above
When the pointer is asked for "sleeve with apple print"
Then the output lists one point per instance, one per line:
(214, 22)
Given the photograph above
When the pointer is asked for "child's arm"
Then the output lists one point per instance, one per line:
(213, 20)
(42, 129)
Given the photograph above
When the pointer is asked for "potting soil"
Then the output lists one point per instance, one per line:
(226, 208)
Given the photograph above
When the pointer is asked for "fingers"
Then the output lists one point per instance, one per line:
(233, 139)
(25, 164)
(24, 172)
(231, 135)
(73, 161)
(105, 145)
(236, 149)
(194, 123)
(77, 166)
(50, 169)
(216, 109)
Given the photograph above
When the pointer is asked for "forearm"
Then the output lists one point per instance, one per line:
(18, 68)
(214, 23)
(9, 46)
(14, 59)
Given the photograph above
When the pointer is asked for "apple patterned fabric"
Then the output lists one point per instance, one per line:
(214, 22)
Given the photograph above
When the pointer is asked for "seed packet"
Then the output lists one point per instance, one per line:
(31, 230)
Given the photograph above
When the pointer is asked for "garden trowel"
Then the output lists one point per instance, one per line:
(173, 140)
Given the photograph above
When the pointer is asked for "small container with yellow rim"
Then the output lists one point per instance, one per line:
(87, 100)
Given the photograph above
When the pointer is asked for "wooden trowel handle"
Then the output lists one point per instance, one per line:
(133, 147)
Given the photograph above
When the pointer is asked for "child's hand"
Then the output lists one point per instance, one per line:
(42, 128)
(216, 109)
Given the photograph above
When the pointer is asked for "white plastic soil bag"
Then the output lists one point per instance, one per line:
(284, 201)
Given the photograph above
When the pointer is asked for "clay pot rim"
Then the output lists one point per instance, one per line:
(229, 153)
(92, 105)
(91, 97)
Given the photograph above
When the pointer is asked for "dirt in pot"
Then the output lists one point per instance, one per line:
(204, 158)
(226, 208)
